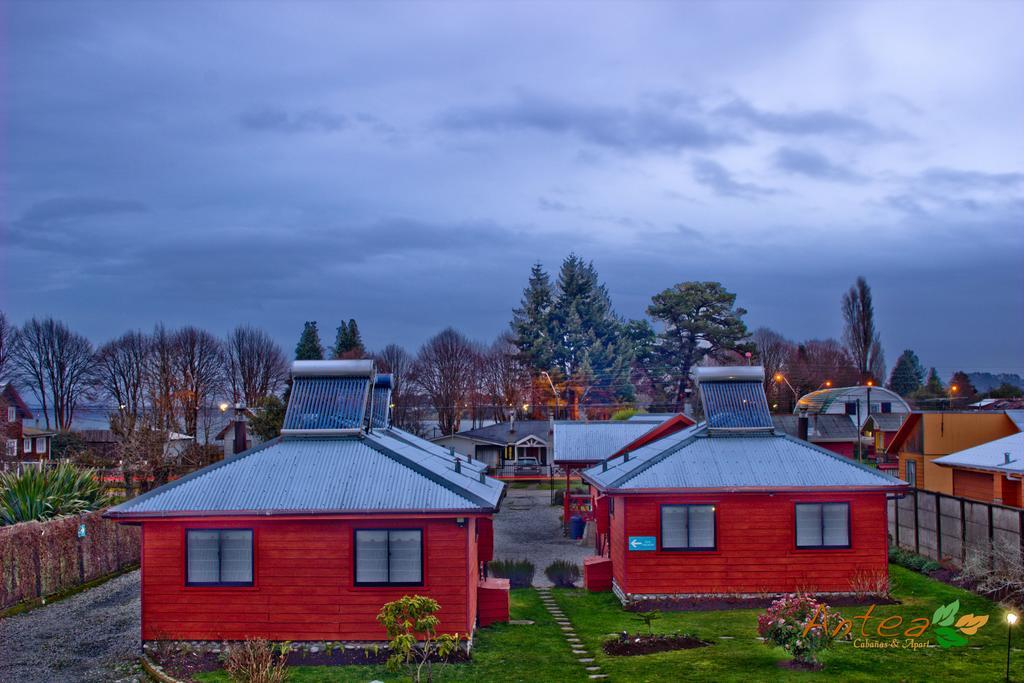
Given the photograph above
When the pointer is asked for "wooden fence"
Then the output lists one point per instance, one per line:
(943, 527)
(38, 559)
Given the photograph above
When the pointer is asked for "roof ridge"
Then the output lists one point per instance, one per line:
(843, 459)
(432, 475)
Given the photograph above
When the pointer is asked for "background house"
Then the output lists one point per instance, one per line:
(926, 436)
(990, 472)
(503, 442)
(22, 444)
(836, 433)
(857, 402)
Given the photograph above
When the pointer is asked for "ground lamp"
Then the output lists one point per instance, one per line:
(1011, 620)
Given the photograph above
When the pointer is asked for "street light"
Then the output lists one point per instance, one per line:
(552, 384)
(223, 407)
(780, 378)
(1011, 620)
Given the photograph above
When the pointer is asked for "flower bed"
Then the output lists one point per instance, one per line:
(649, 643)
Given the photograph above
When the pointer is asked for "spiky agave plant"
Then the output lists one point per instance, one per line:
(39, 494)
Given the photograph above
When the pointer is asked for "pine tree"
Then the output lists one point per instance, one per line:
(355, 339)
(907, 375)
(933, 385)
(531, 322)
(700, 319)
(964, 388)
(309, 346)
(348, 343)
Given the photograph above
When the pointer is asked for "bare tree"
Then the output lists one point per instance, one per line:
(445, 369)
(56, 363)
(6, 341)
(506, 378)
(396, 360)
(817, 362)
(256, 365)
(161, 381)
(860, 334)
(773, 350)
(122, 367)
(197, 362)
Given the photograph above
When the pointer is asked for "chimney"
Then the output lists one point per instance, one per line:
(239, 424)
(802, 424)
(1006, 458)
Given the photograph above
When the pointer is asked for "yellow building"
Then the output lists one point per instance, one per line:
(926, 436)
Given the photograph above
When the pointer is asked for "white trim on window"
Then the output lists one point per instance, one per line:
(12, 414)
(26, 444)
(12, 448)
(40, 444)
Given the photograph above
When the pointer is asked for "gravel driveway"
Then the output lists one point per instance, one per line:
(91, 637)
(528, 527)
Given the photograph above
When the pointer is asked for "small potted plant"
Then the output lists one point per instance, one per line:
(800, 625)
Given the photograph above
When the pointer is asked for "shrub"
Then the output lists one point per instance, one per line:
(563, 573)
(625, 413)
(518, 572)
(38, 494)
(786, 621)
(412, 629)
(254, 661)
(866, 584)
(910, 560)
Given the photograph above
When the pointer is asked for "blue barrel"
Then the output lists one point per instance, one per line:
(576, 526)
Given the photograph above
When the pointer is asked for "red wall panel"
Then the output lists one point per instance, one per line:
(756, 547)
(303, 582)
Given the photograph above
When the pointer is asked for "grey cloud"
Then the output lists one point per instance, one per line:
(810, 122)
(813, 164)
(653, 127)
(721, 181)
(971, 180)
(61, 223)
(275, 119)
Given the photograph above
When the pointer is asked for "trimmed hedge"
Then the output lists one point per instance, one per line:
(38, 559)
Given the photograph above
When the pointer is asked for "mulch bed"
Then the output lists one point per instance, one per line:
(645, 644)
(184, 665)
(794, 665)
(717, 604)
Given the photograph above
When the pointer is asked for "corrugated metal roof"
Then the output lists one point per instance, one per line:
(884, 422)
(320, 475)
(506, 433)
(651, 417)
(819, 427)
(735, 405)
(698, 459)
(823, 399)
(440, 451)
(327, 403)
(990, 456)
(1017, 416)
(592, 441)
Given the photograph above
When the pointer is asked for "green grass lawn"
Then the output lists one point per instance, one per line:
(500, 653)
(538, 653)
(743, 658)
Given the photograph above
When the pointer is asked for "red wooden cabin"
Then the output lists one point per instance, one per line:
(305, 537)
(21, 445)
(734, 507)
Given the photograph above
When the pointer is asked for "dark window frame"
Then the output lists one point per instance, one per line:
(386, 584)
(215, 584)
(849, 526)
(910, 466)
(688, 548)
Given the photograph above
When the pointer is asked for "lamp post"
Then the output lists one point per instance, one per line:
(780, 378)
(1011, 620)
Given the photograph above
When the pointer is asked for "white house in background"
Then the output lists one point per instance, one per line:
(857, 402)
(504, 442)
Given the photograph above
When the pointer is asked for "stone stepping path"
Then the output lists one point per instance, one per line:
(579, 650)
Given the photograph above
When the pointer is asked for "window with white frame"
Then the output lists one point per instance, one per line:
(218, 557)
(40, 444)
(687, 527)
(822, 525)
(26, 445)
(12, 448)
(12, 414)
(386, 557)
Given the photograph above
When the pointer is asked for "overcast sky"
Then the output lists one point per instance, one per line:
(404, 164)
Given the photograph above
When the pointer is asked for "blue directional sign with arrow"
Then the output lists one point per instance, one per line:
(638, 543)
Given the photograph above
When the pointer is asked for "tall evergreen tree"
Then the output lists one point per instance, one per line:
(907, 375)
(700, 319)
(531, 322)
(591, 349)
(933, 385)
(348, 343)
(964, 388)
(309, 346)
(860, 334)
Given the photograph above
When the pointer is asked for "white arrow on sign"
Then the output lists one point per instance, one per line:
(635, 543)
